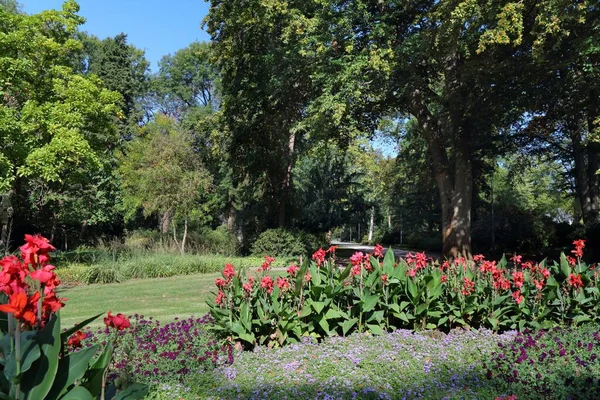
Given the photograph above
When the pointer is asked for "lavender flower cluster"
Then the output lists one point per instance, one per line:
(399, 365)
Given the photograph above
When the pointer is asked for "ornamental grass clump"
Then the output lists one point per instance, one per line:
(560, 363)
(37, 360)
(376, 293)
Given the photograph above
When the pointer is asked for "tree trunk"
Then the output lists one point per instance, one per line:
(230, 218)
(286, 185)
(593, 156)
(389, 218)
(582, 187)
(371, 225)
(455, 197)
(185, 231)
(165, 221)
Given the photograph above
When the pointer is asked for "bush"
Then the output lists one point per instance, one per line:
(282, 242)
(219, 241)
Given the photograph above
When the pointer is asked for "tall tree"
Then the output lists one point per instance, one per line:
(56, 127)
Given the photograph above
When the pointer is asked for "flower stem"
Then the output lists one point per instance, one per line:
(18, 359)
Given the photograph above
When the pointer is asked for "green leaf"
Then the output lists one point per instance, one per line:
(78, 393)
(38, 386)
(134, 391)
(318, 306)
(375, 329)
(411, 290)
(30, 352)
(332, 314)
(347, 325)
(93, 376)
(305, 312)
(565, 268)
(369, 302)
(70, 369)
(388, 262)
(324, 324)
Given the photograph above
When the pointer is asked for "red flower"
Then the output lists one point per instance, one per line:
(357, 258)
(539, 285)
(571, 261)
(307, 277)
(444, 278)
(293, 269)
(546, 273)
(219, 298)
(478, 257)
(575, 281)
(221, 283)
(119, 321)
(518, 279)
(411, 272)
(516, 259)
(384, 278)
(44, 274)
(355, 271)
(266, 265)
(488, 266)
(76, 339)
(445, 265)
(378, 251)
(267, 283)
(52, 303)
(518, 297)
(283, 284)
(319, 257)
(228, 272)
(468, 286)
(331, 249)
(22, 307)
(36, 249)
(579, 245)
(247, 287)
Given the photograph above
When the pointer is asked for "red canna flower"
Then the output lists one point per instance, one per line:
(478, 257)
(76, 339)
(44, 274)
(579, 245)
(292, 270)
(518, 296)
(539, 284)
(22, 307)
(331, 249)
(571, 261)
(119, 321)
(378, 251)
(445, 265)
(267, 283)
(266, 265)
(52, 303)
(357, 258)
(36, 250)
(319, 257)
(468, 286)
(228, 272)
(247, 287)
(516, 259)
(221, 283)
(283, 284)
(518, 278)
(575, 281)
(307, 277)
(444, 278)
(219, 298)
(384, 279)
(355, 271)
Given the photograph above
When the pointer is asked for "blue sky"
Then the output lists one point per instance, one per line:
(157, 27)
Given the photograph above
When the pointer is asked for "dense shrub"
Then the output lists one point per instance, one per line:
(321, 300)
(219, 241)
(286, 243)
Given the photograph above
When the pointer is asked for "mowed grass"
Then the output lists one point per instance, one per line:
(161, 298)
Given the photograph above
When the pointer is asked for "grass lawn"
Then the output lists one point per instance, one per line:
(161, 298)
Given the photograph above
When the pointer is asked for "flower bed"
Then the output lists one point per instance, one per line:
(376, 294)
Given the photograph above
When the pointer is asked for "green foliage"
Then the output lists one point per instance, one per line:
(282, 242)
(377, 296)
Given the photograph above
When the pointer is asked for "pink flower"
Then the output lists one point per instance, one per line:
(355, 271)
(44, 274)
(307, 277)
(319, 257)
(266, 265)
(478, 257)
(468, 286)
(411, 272)
(516, 259)
(332, 249)
(283, 284)
(384, 279)
(444, 279)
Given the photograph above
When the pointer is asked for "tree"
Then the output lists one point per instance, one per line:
(123, 68)
(56, 127)
(265, 82)
(161, 173)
